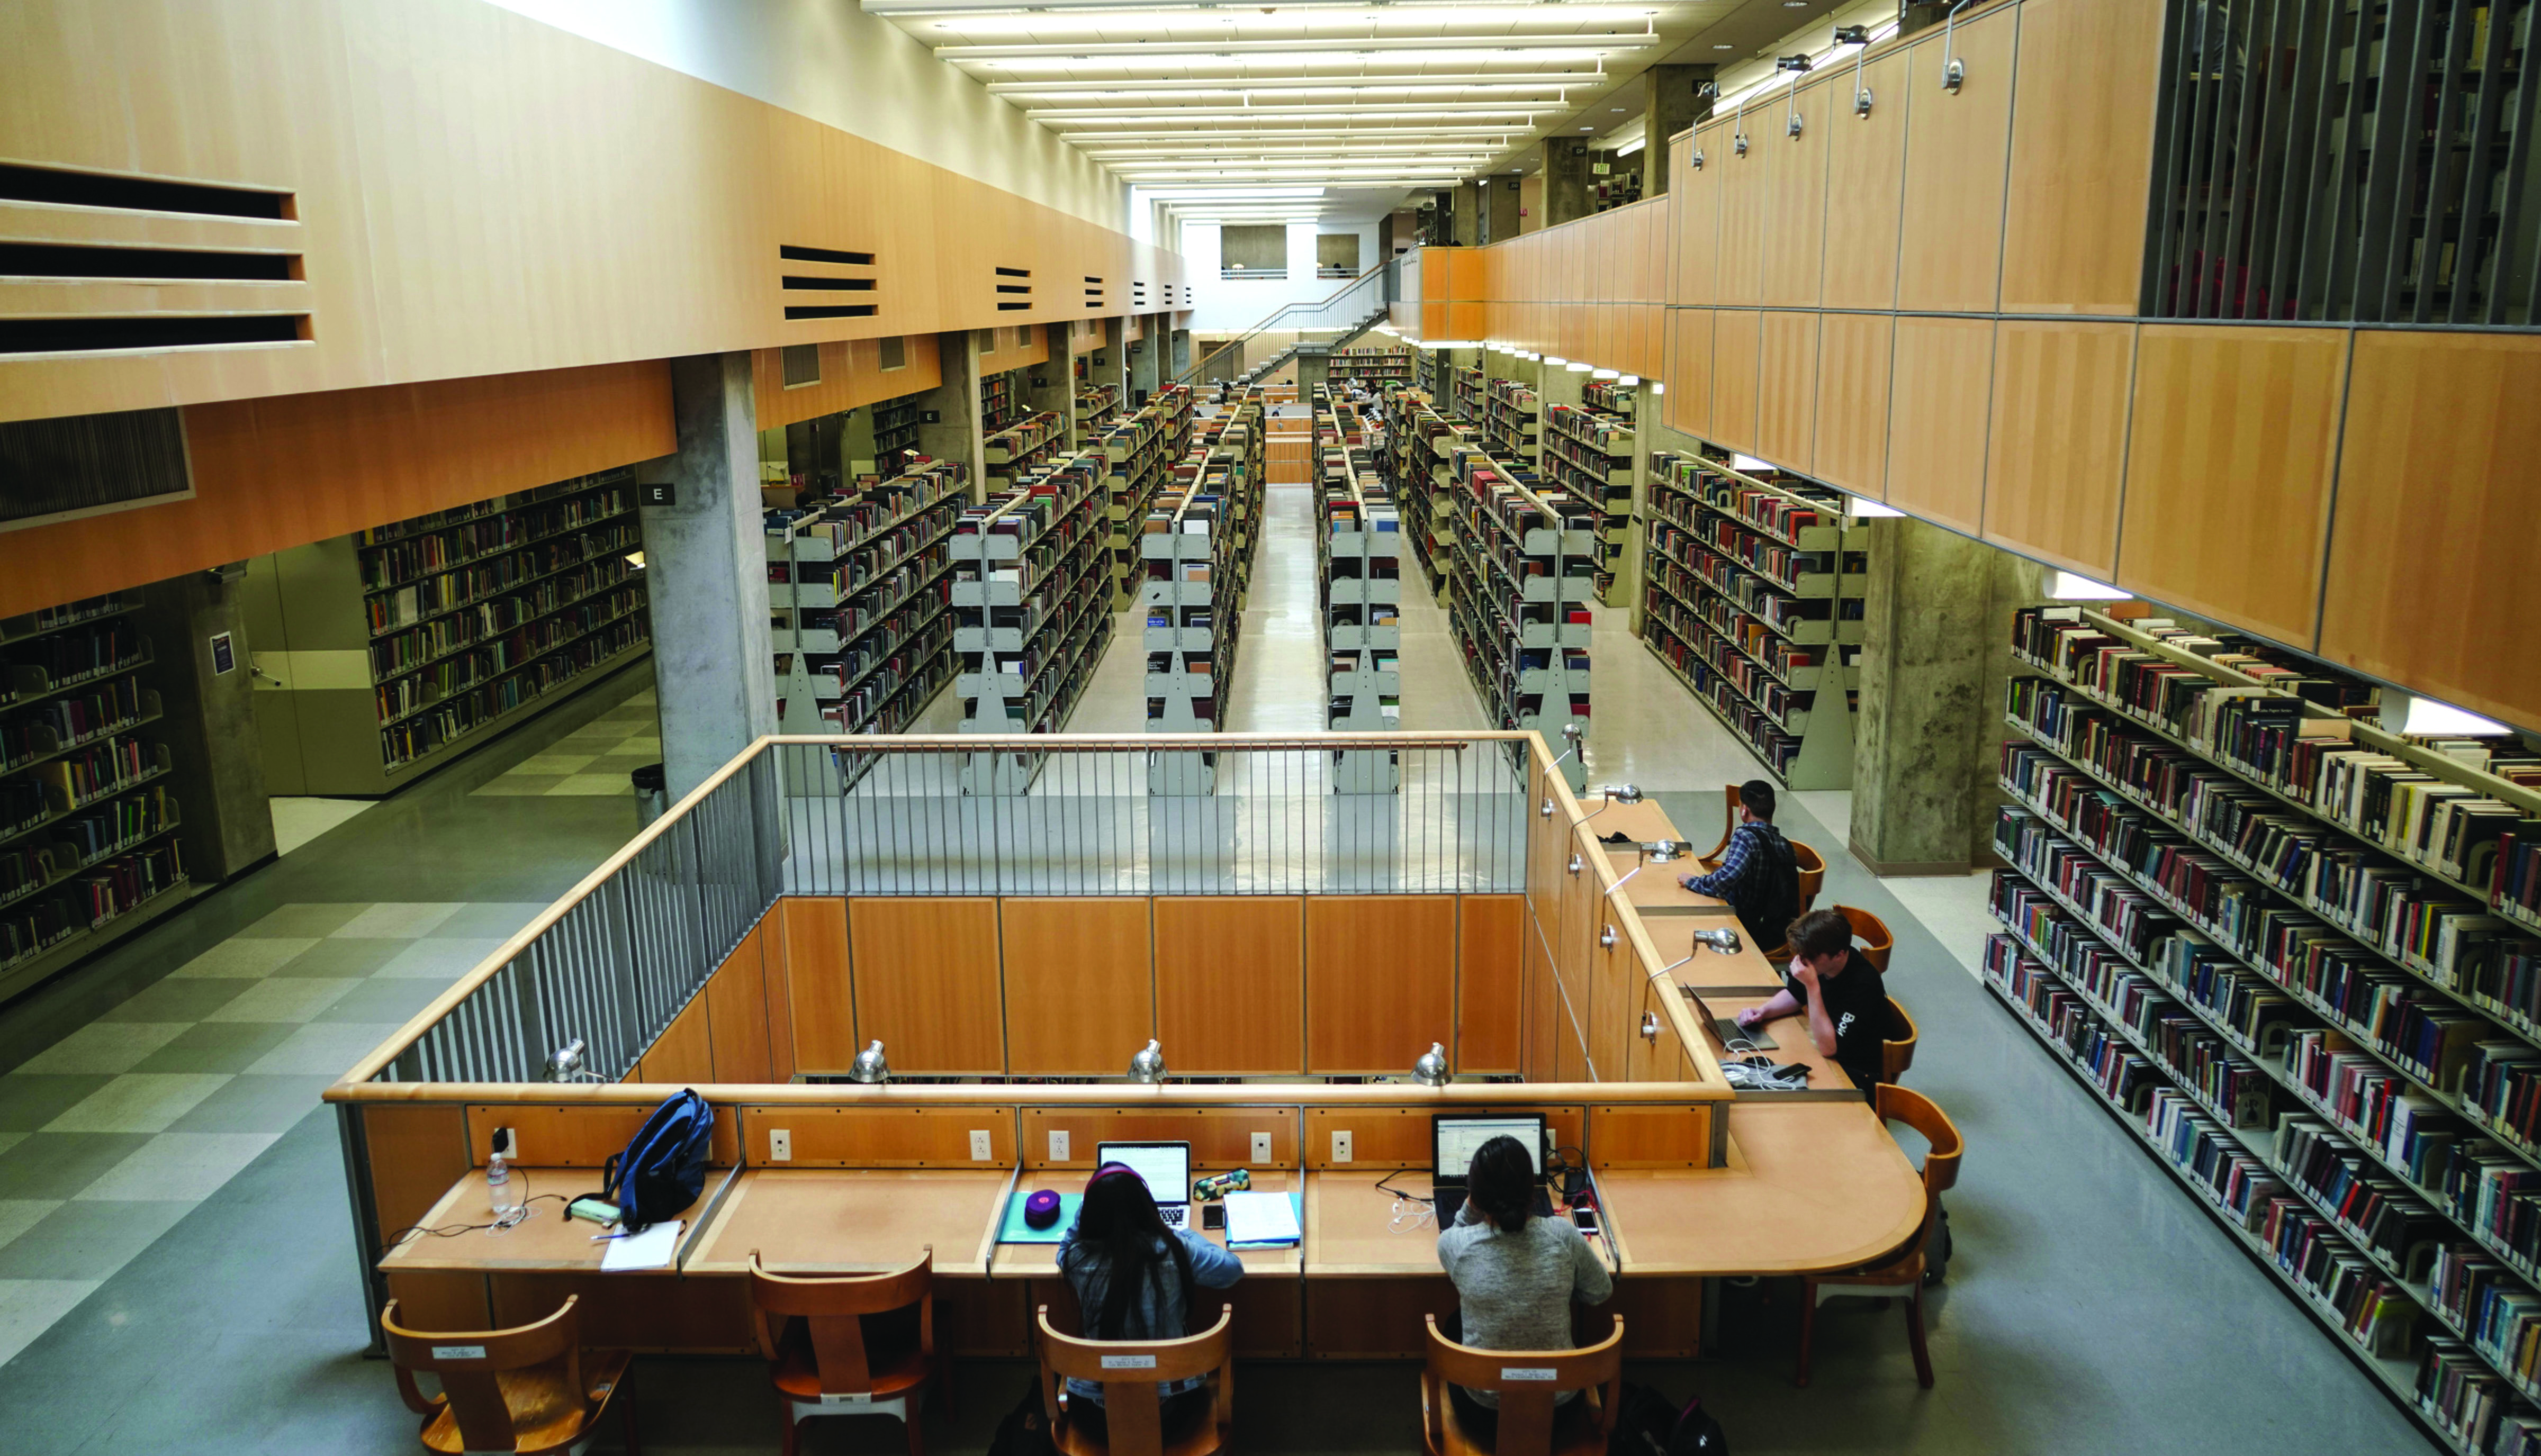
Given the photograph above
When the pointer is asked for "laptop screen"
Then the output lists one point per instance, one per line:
(1457, 1139)
(1165, 1166)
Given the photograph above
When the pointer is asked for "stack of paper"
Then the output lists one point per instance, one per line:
(1259, 1220)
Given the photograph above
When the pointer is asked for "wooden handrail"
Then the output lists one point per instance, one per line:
(1299, 1093)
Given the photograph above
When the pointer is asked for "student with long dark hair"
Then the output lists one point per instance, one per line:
(1516, 1275)
(1134, 1278)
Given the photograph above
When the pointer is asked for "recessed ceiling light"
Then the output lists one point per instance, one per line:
(1720, 47)
(1587, 128)
(1617, 108)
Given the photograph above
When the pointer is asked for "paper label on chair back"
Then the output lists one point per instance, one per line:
(1526, 1372)
(458, 1351)
(1128, 1362)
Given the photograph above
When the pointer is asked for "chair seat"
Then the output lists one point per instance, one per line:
(896, 1368)
(1574, 1423)
(548, 1413)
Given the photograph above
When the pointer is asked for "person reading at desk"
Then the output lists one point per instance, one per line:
(1838, 989)
(1134, 1280)
(1759, 875)
(1516, 1274)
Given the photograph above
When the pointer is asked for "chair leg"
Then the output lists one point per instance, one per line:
(917, 1434)
(785, 1412)
(626, 1414)
(1808, 1327)
(1915, 1338)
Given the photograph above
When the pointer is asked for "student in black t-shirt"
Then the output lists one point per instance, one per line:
(1840, 993)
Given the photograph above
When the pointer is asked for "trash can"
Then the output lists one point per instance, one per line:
(652, 794)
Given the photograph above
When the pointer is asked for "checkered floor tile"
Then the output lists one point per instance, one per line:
(593, 760)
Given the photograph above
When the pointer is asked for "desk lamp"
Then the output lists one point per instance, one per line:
(1578, 745)
(1148, 1065)
(565, 1063)
(1723, 939)
(1431, 1069)
(870, 1066)
(1656, 851)
(1614, 794)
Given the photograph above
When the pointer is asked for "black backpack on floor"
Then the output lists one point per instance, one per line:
(1647, 1423)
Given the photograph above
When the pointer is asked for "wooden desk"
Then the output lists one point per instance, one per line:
(1792, 1042)
(1656, 889)
(1810, 1185)
(855, 1220)
(1349, 1227)
(1040, 1261)
(1644, 821)
(546, 1242)
(1747, 973)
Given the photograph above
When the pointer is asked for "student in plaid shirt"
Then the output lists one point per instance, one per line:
(1759, 875)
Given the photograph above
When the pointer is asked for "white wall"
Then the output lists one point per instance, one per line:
(1231, 306)
(829, 60)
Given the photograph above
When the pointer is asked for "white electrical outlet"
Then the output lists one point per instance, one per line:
(1260, 1147)
(980, 1150)
(1059, 1147)
(1340, 1147)
(781, 1145)
(507, 1141)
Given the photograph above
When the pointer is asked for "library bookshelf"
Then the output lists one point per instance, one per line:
(1032, 605)
(1097, 406)
(1513, 424)
(89, 824)
(1421, 440)
(1752, 598)
(1465, 387)
(1593, 451)
(466, 620)
(1195, 548)
(1525, 572)
(1359, 558)
(1022, 445)
(859, 596)
(2291, 918)
(1375, 367)
(1138, 454)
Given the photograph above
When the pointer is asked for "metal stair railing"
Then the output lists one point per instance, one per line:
(1350, 312)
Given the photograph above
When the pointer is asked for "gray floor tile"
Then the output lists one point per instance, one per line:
(78, 1241)
(297, 921)
(139, 1101)
(181, 1167)
(444, 961)
(381, 999)
(342, 958)
(396, 921)
(246, 957)
(104, 1047)
(57, 1165)
(257, 1104)
(331, 1047)
(216, 1046)
(17, 1216)
(284, 999)
(182, 998)
(30, 1100)
(30, 1307)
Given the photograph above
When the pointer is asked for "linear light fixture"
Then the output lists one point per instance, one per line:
(910, 9)
(1403, 132)
(1199, 145)
(1248, 194)
(1102, 113)
(1495, 47)
(1287, 84)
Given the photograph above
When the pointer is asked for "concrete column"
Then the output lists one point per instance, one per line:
(1679, 97)
(1145, 357)
(954, 433)
(1181, 354)
(706, 568)
(210, 720)
(1500, 216)
(1565, 180)
(1934, 659)
(1466, 223)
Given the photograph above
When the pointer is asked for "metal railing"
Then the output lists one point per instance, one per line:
(1355, 307)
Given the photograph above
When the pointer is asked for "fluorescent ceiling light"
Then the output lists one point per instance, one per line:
(1105, 114)
(1606, 373)
(1739, 461)
(1576, 366)
(1864, 508)
(1551, 360)
(1290, 85)
(1506, 47)
(2426, 715)
(1629, 147)
(1239, 193)
(1629, 379)
(1657, 389)
(2068, 586)
(1321, 11)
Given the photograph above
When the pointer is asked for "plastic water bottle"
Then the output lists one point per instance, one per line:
(501, 1194)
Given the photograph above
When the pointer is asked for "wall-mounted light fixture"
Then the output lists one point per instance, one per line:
(1147, 1067)
(1954, 71)
(565, 1063)
(870, 1066)
(1430, 1071)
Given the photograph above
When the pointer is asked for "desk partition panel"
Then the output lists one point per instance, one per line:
(1293, 949)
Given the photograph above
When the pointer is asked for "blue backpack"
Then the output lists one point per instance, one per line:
(664, 1169)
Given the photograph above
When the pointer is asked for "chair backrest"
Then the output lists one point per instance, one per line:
(1896, 1050)
(1526, 1382)
(1873, 933)
(1812, 866)
(1729, 826)
(1941, 1164)
(831, 1309)
(469, 1361)
(1130, 1372)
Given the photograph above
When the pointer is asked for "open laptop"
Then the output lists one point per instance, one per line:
(1455, 1137)
(1165, 1169)
(1728, 1029)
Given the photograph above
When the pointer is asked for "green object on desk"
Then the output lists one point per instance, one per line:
(1013, 1230)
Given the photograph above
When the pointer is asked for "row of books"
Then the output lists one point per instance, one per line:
(41, 922)
(412, 738)
(432, 521)
(72, 717)
(413, 691)
(394, 562)
(451, 591)
(32, 667)
(66, 615)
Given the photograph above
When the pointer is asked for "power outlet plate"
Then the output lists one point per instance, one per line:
(507, 1141)
(1340, 1147)
(980, 1148)
(1059, 1147)
(781, 1145)
(1260, 1147)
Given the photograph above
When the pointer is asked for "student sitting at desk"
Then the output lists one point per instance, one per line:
(1515, 1274)
(1134, 1280)
(1838, 989)
(1759, 875)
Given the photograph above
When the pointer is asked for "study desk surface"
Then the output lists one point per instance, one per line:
(1792, 1043)
(1659, 889)
(1809, 1187)
(855, 1220)
(546, 1242)
(1350, 1226)
(1644, 821)
(1745, 970)
(1040, 1261)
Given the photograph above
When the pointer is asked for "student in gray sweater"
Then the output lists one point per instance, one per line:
(1515, 1274)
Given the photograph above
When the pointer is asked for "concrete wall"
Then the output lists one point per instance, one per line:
(830, 62)
(1227, 306)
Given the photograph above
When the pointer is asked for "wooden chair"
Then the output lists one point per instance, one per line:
(1729, 826)
(1897, 1052)
(1131, 1371)
(824, 1361)
(1812, 867)
(1873, 933)
(529, 1389)
(1901, 1275)
(1526, 1382)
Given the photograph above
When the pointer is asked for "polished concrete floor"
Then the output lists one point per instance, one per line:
(177, 1266)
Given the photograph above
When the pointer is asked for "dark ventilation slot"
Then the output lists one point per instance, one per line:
(76, 336)
(894, 352)
(802, 365)
(1014, 272)
(1090, 278)
(832, 285)
(793, 253)
(1014, 288)
(1011, 306)
(57, 260)
(830, 310)
(19, 183)
(88, 461)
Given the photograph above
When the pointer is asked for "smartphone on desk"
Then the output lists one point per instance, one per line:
(1586, 1218)
(1212, 1217)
